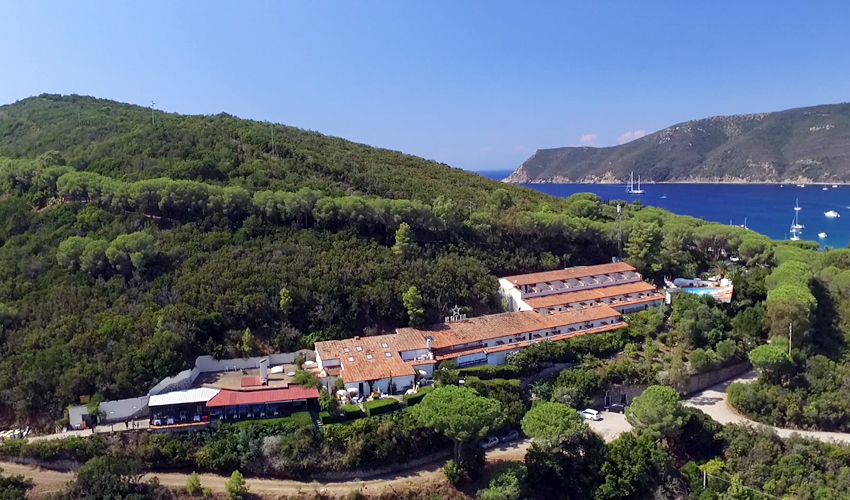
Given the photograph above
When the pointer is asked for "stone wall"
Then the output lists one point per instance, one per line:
(697, 382)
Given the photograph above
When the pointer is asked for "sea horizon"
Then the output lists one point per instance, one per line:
(767, 208)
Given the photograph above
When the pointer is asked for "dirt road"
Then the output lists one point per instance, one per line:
(430, 474)
(712, 401)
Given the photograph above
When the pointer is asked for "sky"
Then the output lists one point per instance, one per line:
(478, 85)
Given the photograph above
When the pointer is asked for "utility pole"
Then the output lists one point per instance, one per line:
(152, 118)
(272, 126)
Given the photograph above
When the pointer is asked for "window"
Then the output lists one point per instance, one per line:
(350, 359)
(346, 349)
(358, 348)
(387, 354)
(369, 356)
(384, 345)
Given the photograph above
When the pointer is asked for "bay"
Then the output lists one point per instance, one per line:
(767, 209)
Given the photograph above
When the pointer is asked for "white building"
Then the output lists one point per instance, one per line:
(518, 289)
(373, 363)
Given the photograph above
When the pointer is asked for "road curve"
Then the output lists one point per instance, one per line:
(714, 403)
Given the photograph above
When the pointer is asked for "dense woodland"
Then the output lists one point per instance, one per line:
(134, 240)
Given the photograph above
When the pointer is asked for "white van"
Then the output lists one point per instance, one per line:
(591, 414)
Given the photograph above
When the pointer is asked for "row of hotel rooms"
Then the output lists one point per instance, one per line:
(548, 306)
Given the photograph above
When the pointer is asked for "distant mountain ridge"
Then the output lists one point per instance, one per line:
(801, 145)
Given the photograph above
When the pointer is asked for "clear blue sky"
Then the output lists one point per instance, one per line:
(478, 85)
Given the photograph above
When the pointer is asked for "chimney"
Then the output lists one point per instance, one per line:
(356, 337)
(264, 371)
(428, 341)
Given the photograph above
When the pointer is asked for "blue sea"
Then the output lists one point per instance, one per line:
(767, 209)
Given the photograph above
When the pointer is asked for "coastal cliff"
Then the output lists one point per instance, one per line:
(803, 145)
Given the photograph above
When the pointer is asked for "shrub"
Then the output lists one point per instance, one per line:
(701, 360)
(193, 486)
(453, 472)
(235, 486)
(380, 406)
(413, 399)
(352, 412)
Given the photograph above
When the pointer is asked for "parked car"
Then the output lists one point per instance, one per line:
(509, 435)
(488, 442)
(591, 414)
(616, 408)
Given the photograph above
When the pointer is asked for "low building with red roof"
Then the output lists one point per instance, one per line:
(368, 364)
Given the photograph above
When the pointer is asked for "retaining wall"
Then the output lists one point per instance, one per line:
(696, 383)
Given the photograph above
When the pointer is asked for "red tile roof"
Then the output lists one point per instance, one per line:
(572, 272)
(494, 326)
(526, 343)
(232, 398)
(605, 292)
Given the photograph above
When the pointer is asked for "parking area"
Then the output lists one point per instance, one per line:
(611, 425)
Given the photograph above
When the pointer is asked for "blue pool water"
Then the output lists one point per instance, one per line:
(701, 291)
(767, 209)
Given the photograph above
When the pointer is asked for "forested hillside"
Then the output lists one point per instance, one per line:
(797, 145)
(133, 241)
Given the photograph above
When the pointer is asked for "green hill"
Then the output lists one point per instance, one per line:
(803, 145)
(133, 242)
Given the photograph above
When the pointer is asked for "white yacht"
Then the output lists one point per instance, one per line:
(821, 235)
(832, 214)
(631, 187)
(796, 224)
(834, 186)
(825, 188)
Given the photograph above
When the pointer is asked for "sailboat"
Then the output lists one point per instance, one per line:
(631, 188)
(796, 225)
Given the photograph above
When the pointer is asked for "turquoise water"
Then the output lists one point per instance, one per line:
(701, 291)
(767, 209)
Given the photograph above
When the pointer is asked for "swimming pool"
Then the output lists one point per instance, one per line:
(703, 291)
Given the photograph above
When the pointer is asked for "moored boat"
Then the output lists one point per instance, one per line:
(832, 214)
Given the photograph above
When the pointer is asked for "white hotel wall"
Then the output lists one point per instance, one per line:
(383, 385)
(513, 297)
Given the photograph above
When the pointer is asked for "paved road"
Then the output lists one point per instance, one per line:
(713, 402)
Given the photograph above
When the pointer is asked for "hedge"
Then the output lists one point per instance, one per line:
(380, 406)
(276, 426)
(490, 372)
(78, 449)
(302, 419)
(327, 418)
(413, 399)
(352, 412)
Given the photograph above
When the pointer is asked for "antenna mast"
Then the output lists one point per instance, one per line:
(152, 117)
